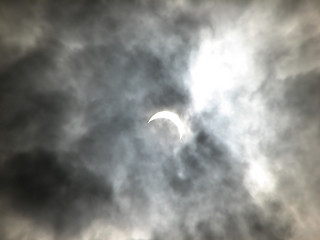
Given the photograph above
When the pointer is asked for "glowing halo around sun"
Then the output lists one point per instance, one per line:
(173, 117)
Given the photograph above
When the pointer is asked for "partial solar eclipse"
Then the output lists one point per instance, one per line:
(171, 116)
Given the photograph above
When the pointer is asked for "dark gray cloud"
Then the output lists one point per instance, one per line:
(79, 80)
(55, 194)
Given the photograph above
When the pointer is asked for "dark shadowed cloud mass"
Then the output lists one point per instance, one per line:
(79, 81)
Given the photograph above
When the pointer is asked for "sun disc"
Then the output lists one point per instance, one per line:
(171, 116)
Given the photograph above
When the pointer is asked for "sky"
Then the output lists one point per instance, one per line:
(79, 81)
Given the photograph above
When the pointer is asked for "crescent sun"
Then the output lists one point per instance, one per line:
(173, 117)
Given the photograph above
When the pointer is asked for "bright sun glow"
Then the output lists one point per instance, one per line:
(223, 65)
(218, 67)
(259, 179)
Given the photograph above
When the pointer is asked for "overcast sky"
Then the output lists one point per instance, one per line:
(79, 81)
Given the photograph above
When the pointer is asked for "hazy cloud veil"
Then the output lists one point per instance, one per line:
(80, 79)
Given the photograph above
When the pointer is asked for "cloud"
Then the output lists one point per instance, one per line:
(52, 193)
(80, 81)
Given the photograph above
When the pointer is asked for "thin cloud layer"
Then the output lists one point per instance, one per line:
(79, 81)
